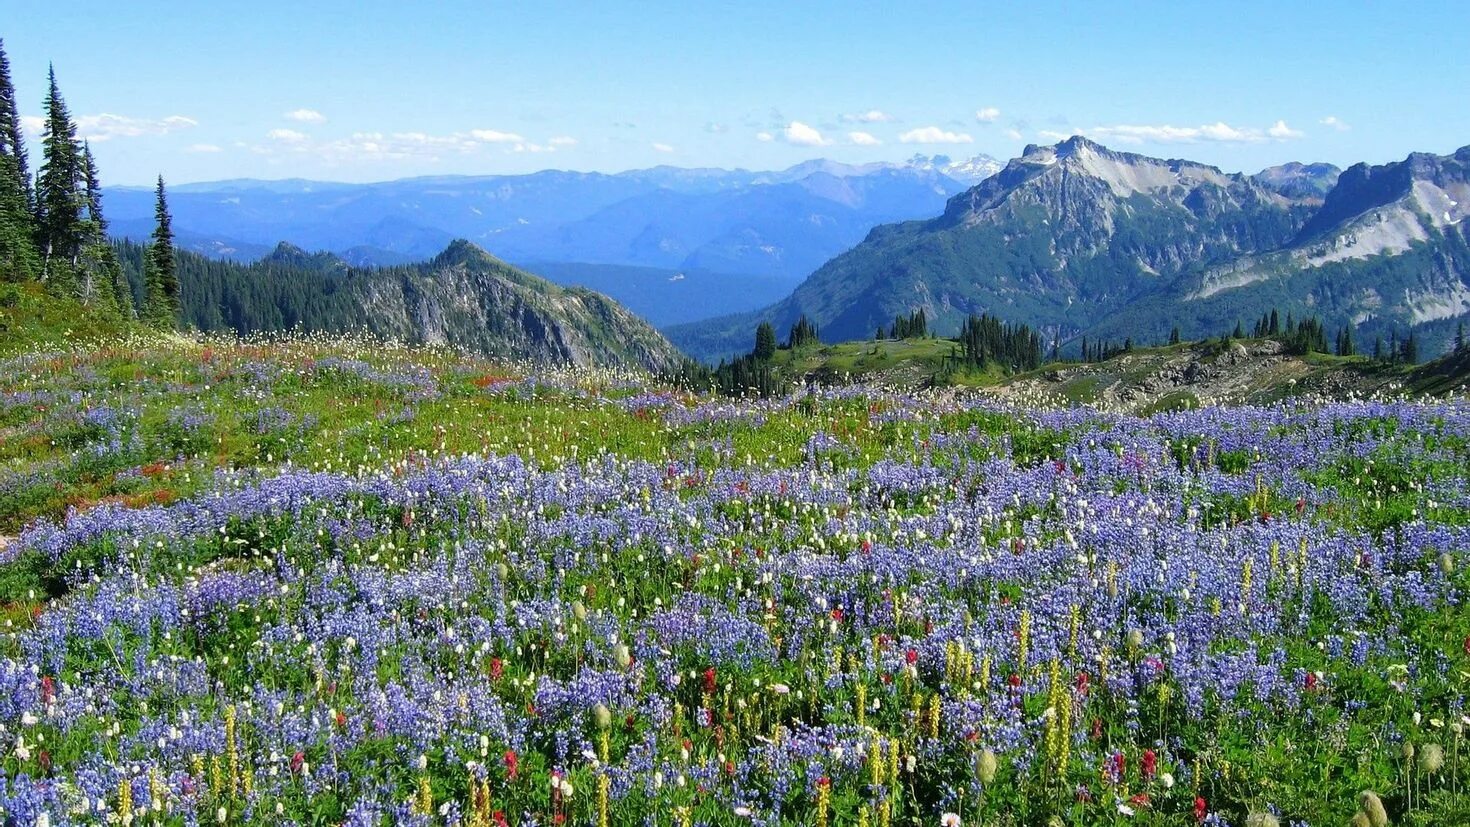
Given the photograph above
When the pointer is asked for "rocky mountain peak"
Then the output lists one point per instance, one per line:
(287, 254)
(1297, 180)
(1436, 187)
(461, 252)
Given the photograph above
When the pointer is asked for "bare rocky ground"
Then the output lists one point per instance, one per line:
(1256, 371)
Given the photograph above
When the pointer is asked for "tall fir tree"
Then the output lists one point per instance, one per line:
(161, 271)
(17, 233)
(101, 281)
(12, 140)
(765, 342)
(1409, 350)
(59, 197)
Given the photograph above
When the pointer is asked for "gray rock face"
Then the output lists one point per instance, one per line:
(467, 298)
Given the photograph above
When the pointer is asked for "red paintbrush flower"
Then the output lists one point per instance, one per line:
(512, 764)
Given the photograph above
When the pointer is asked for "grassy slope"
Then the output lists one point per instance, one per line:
(31, 320)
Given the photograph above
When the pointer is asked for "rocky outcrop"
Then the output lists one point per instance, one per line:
(469, 299)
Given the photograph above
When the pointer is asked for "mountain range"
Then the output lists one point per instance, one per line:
(463, 297)
(1080, 240)
(704, 241)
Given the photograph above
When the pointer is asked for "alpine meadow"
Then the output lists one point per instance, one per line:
(799, 415)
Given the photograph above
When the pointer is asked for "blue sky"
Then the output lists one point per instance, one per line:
(379, 90)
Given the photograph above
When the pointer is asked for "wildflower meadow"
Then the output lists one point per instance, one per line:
(317, 581)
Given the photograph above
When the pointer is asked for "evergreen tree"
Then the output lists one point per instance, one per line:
(161, 273)
(58, 194)
(1174, 335)
(100, 277)
(804, 332)
(1460, 338)
(1410, 349)
(1239, 332)
(1274, 326)
(765, 342)
(985, 340)
(92, 192)
(12, 142)
(1345, 346)
(17, 233)
(1378, 349)
(1308, 336)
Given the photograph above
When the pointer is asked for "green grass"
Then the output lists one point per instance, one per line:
(32, 319)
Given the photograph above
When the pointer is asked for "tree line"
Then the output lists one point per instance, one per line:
(52, 229)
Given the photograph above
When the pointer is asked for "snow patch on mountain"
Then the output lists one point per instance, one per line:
(1445, 205)
(1388, 230)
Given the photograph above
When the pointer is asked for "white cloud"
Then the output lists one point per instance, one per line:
(494, 136)
(1334, 122)
(306, 116)
(863, 139)
(33, 123)
(105, 127)
(764, 137)
(203, 148)
(1280, 131)
(934, 135)
(987, 114)
(662, 148)
(799, 134)
(1218, 132)
(870, 116)
(287, 136)
(1014, 134)
(380, 146)
(716, 128)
